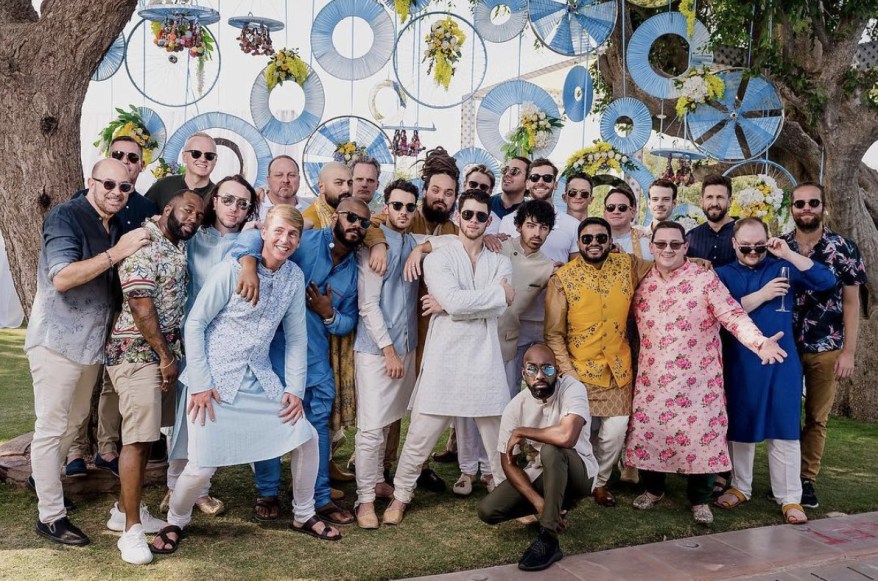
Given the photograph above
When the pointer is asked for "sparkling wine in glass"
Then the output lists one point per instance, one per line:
(784, 273)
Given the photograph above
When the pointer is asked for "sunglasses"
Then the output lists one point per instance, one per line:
(674, 244)
(477, 186)
(397, 206)
(546, 177)
(110, 185)
(813, 203)
(613, 207)
(758, 249)
(120, 155)
(601, 238)
(229, 199)
(578, 194)
(467, 215)
(196, 154)
(532, 369)
(353, 218)
(513, 171)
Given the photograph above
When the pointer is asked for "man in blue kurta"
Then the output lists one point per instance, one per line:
(327, 257)
(764, 403)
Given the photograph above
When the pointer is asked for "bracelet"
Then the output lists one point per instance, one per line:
(109, 258)
(331, 319)
(174, 360)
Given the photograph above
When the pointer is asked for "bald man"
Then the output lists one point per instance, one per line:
(199, 157)
(334, 184)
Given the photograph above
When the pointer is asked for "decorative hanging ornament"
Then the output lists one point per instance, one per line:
(255, 37)
(179, 27)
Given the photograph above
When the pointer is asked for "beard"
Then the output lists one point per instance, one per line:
(436, 216)
(715, 215)
(808, 226)
(542, 390)
(340, 235)
(597, 260)
(175, 227)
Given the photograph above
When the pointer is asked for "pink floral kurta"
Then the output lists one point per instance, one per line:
(679, 421)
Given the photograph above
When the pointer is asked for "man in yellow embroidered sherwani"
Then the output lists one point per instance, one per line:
(587, 305)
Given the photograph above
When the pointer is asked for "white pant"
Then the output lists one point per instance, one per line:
(607, 440)
(513, 375)
(424, 432)
(784, 463)
(369, 448)
(62, 399)
(194, 479)
(471, 455)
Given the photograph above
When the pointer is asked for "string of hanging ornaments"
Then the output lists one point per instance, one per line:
(178, 32)
(255, 37)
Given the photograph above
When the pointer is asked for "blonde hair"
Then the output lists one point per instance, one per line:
(287, 213)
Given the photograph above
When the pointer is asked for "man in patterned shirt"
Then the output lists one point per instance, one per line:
(143, 353)
(826, 323)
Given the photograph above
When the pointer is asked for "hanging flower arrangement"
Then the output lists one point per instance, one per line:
(286, 65)
(534, 131)
(348, 152)
(597, 159)
(697, 87)
(687, 9)
(165, 169)
(764, 200)
(128, 123)
(694, 217)
(255, 40)
(403, 8)
(444, 43)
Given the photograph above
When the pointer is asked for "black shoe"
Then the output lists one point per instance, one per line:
(809, 497)
(111, 465)
(76, 468)
(446, 457)
(31, 485)
(62, 531)
(541, 553)
(431, 481)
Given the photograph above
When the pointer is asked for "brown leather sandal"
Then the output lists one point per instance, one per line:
(267, 508)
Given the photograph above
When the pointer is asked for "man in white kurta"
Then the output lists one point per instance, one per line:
(462, 372)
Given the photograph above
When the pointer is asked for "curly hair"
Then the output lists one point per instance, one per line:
(439, 162)
(539, 211)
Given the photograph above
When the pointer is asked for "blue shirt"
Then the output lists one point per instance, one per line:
(205, 250)
(134, 214)
(716, 247)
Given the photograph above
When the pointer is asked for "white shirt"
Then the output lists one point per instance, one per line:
(627, 245)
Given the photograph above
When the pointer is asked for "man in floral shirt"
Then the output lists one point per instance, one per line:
(826, 323)
(143, 353)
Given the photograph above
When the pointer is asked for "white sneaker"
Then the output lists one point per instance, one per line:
(151, 525)
(134, 548)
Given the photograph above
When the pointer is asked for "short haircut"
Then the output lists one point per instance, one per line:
(400, 184)
(180, 194)
(539, 211)
(437, 161)
(124, 139)
(524, 160)
(482, 169)
(198, 134)
(283, 156)
(477, 195)
(287, 213)
(367, 160)
(751, 221)
(716, 179)
(543, 161)
(631, 199)
(817, 185)
(668, 225)
(663, 183)
(594, 220)
(579, 176)
(210, 213)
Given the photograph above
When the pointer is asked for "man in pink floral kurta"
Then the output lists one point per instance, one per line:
(679, 421)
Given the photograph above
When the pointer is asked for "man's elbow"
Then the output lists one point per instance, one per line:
(61, 283)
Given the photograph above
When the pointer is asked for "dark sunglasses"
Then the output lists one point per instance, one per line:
(467, 215)
(120, 155)
(229, 199)
(477, 186)
(674, 244)
(110, 185)
(532, 369)
(758, 249)
(578, 194)
(195, 153)
(612, 207)
(397, 206)
(353, 218)
(601, 238)
(546, 177)
(513, 171)
(813, 203)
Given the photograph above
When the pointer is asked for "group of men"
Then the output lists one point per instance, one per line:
(298, 324)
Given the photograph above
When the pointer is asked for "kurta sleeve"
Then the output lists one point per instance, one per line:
(441, 279)
(248, 243)
(369, 300)
(503, 270)
(375, 235)
(346, 313)
(296, 336)
(639, 269)
(212, 298)
(555, 326)
(729, 312)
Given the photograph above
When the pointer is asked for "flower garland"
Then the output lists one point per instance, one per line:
(764, 200)
(131, 124)
(348, 152)
(286, 65)
(690, 219)
(697, 87)
(443, 50)
(687, 9)
(599, 158)
(403, 8)
(533, 132)
(164, 169)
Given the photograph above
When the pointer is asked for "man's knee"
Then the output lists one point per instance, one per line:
(552, 456)
(487, 514)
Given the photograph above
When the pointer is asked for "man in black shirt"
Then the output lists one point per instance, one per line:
(713, 240)
(199, 157)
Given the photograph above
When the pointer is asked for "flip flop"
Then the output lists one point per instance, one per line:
(307, 528)
(162, 535)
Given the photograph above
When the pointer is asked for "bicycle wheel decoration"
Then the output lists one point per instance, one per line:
(578, 94)
(324, 50)
(534, 132)
(287, 132)
(112, 60)
(643, 74)
(470, 156)
(572, 27)
(602, 158)
(620, 110)
(140, 123)
(501, 98)
(406, 8)
(754, 167)
(516, 19)
(440, 60)
(255, 37)
(742, 124)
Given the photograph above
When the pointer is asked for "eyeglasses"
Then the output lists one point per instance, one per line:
(674, 244)
(546, 177)
(613, 207)
(397, 206)
(578, 194)
(532, 369)
(110, 185)
(353, 218)
(467, 215)
(229, 199)
(601, 238)
(513, 171)
(195, 153)
(472, 185)
(813, 203)
(120, 155)
(758, 249)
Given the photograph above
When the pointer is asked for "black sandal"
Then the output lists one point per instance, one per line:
(335, 515)
(307, 528)
(270, 504)
(162, 535)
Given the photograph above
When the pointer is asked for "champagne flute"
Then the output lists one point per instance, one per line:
(785, 274)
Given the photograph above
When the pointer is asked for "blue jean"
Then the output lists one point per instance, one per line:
(267, 475)
(318, 408)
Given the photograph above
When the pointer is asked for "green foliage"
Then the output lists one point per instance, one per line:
(602, 92)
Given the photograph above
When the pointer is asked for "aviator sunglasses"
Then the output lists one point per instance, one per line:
(229, 199)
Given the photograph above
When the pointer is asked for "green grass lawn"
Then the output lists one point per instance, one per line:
(441, 533)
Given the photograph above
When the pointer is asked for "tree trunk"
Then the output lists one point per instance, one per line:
(46, 64)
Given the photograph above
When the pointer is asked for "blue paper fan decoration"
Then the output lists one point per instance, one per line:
(641, 119)
(516, 19)
(352, 69)
(572, 27)
(474, 156)
(156, 128)
(111, 61)
(501, 98)
(578, 94)
(647, 78)
(741, 125)
(287, 132)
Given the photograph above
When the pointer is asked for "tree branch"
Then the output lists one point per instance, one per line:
(817, 19)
